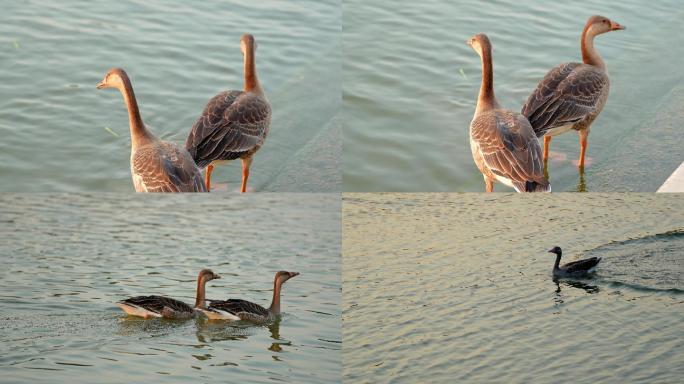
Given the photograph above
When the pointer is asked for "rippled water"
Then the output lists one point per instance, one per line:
(458, 288)
(66, 259)
(54, 123)
(411, 83)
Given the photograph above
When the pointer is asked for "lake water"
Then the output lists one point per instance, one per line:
(56, 126)
(458, 288)
(411, 84)
(66, 259)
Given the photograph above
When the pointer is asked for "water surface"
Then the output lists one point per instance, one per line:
(411, 84)
(61, 134)
(458, 288)
(68, 258)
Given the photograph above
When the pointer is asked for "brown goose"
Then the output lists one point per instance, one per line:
(234, 124)
(504, 146)
(236, 309)
(575, 268)
(161, 306)
(572, 95)
(156, 165)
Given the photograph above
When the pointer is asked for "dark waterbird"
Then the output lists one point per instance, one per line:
(574, 268)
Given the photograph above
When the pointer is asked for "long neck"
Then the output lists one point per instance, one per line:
(251, 79)
(557, 263)
(199, 298)
(138, 131)
(486, 99)
(589, 53)
(275, 302)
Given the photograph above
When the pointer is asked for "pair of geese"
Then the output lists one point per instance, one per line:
(233, 125)
(231, 309)
(505, 143)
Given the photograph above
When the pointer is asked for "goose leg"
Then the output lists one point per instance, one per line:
(246, 163)
(583, 134)
(547, 141)
(489, 184)
(207, 177)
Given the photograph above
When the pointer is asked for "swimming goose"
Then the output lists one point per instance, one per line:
(572, 95)
(156, 165)
(160, 306)
(575, 268)
(234, 124)
(504, 146)
(236, 309)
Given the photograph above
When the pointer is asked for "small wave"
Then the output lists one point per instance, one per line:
(649, 263)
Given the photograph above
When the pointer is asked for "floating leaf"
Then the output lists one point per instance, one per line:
(16, 44)
(463, 73)
(112, 132)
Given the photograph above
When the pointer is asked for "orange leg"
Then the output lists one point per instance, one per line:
(207, 177)
(489, 185)
(246, 163)
(547, 141)
(583, 134)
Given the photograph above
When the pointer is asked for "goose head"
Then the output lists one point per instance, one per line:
(113, 79)
(208, 275)
(557, 250)
(480, 43)
(247, 43)
(597, 25)
(283, 276)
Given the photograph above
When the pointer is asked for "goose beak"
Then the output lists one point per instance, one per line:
(469, 42)
(217, 276)
(100, 85)
(616, 26)
(550, 251)
(293, 274)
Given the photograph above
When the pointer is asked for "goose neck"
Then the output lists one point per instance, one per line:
(486, 99)
(589, 54)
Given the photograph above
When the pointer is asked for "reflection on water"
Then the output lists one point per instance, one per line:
(67, 259)
(459, 288)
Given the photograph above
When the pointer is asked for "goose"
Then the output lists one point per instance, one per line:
(234, 124)
(236, 309)
(574, 268)
(156, 165)
(161, 306)
(504, 146)
(572, 95)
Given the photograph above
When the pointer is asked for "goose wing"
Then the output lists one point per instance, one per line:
(157, 303)
(238, 307)
(566, 95)
(232, 123)
(581, 265)
(510, 148)
(163, 167)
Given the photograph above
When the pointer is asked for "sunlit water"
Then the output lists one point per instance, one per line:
(458, 288)
(411, 83)
(67, 259)
(59, 133)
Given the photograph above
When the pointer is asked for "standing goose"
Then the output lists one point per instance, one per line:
(236, 309)
(572, 95)
(234, 124)
(160, 306)
(156, 165)
(575, 268)
(503, 143)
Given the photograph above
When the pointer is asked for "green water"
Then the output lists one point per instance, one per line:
(56, 126)
(411, 83)
(66, 259)
(458, 288)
